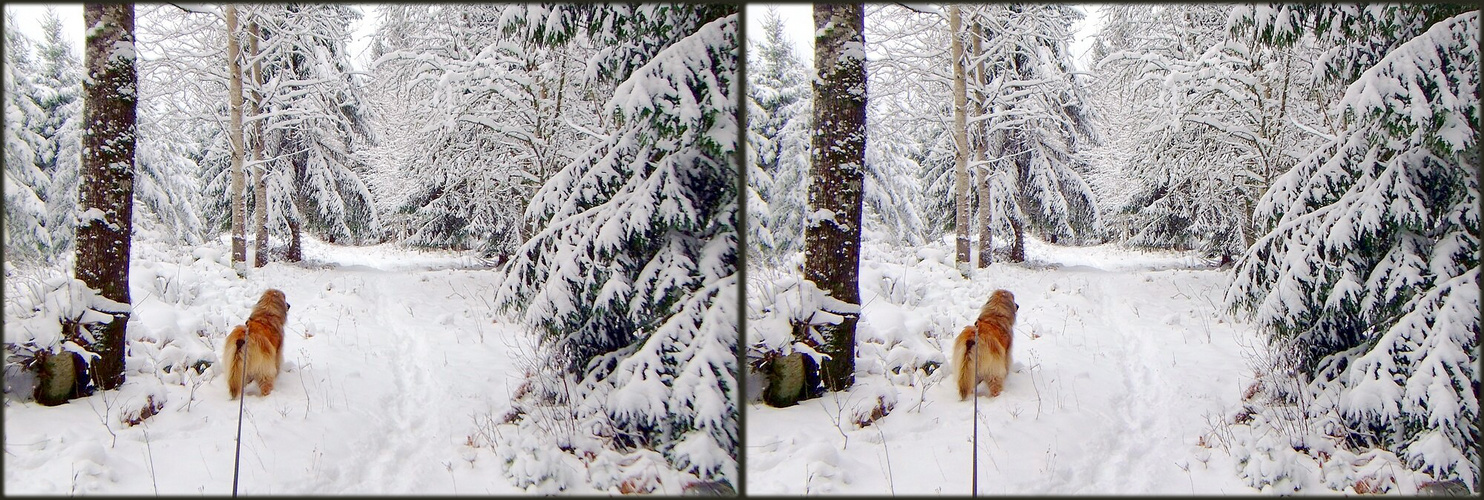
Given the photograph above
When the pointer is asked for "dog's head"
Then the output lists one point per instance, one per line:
(275, 299)
(1004, 297)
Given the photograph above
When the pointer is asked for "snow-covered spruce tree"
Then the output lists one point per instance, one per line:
(313, 124)
(893, 192)
(313, 129)
(778, 111)
(1039, 107)
(477, 120)
(1031, 97)
(166, 190)
(629, 278)
(1368, 276)
(55, 89)
(26, 236)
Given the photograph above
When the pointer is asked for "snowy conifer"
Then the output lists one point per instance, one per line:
(315, 122)
(1037, 102)
(629, 278)
(779, 107)
(314, 126)
(26, 237)
(57, 89)
(1368, 275)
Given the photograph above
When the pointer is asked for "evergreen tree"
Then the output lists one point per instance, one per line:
(629, 278)
(1368, 274)
(57, 89)
(26, 235)
(779, 106)
(1039, 108)
(166, 190)
(314, 125)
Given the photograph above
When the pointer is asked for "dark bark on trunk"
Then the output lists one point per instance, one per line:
(832, 242)
(106, 191)
(1017, 245)
(296, 252)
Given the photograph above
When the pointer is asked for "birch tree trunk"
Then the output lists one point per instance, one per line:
(981, 144)
(106, 191)
(260, 191)
(960, 141)
(832, 237)
(234, 94)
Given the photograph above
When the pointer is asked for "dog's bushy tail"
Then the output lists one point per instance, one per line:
(963, 352)
(232, 356)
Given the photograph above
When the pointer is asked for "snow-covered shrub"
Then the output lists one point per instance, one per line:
(776, 306)
(1368, 276)
(36, 324)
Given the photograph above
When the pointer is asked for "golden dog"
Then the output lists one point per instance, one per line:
(986, 344)
(263, 339)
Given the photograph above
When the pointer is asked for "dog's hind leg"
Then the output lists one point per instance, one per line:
(997, 370)
(263, 368)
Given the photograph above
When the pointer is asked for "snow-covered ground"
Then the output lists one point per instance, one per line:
(1123, 361)
(397, 371)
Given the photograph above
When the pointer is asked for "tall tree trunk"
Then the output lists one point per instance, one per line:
(234, 95)
(295, 251)
(260, 191)
(832, 238)
(106, 192)
(1017, 245)
(960, 141)
(981, 143)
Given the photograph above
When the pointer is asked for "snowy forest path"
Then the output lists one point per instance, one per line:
(393, 448)
(410, 356)
(1119, 365)
(395, 366)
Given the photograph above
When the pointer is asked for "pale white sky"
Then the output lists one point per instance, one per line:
(27, 17)
(798, 24)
